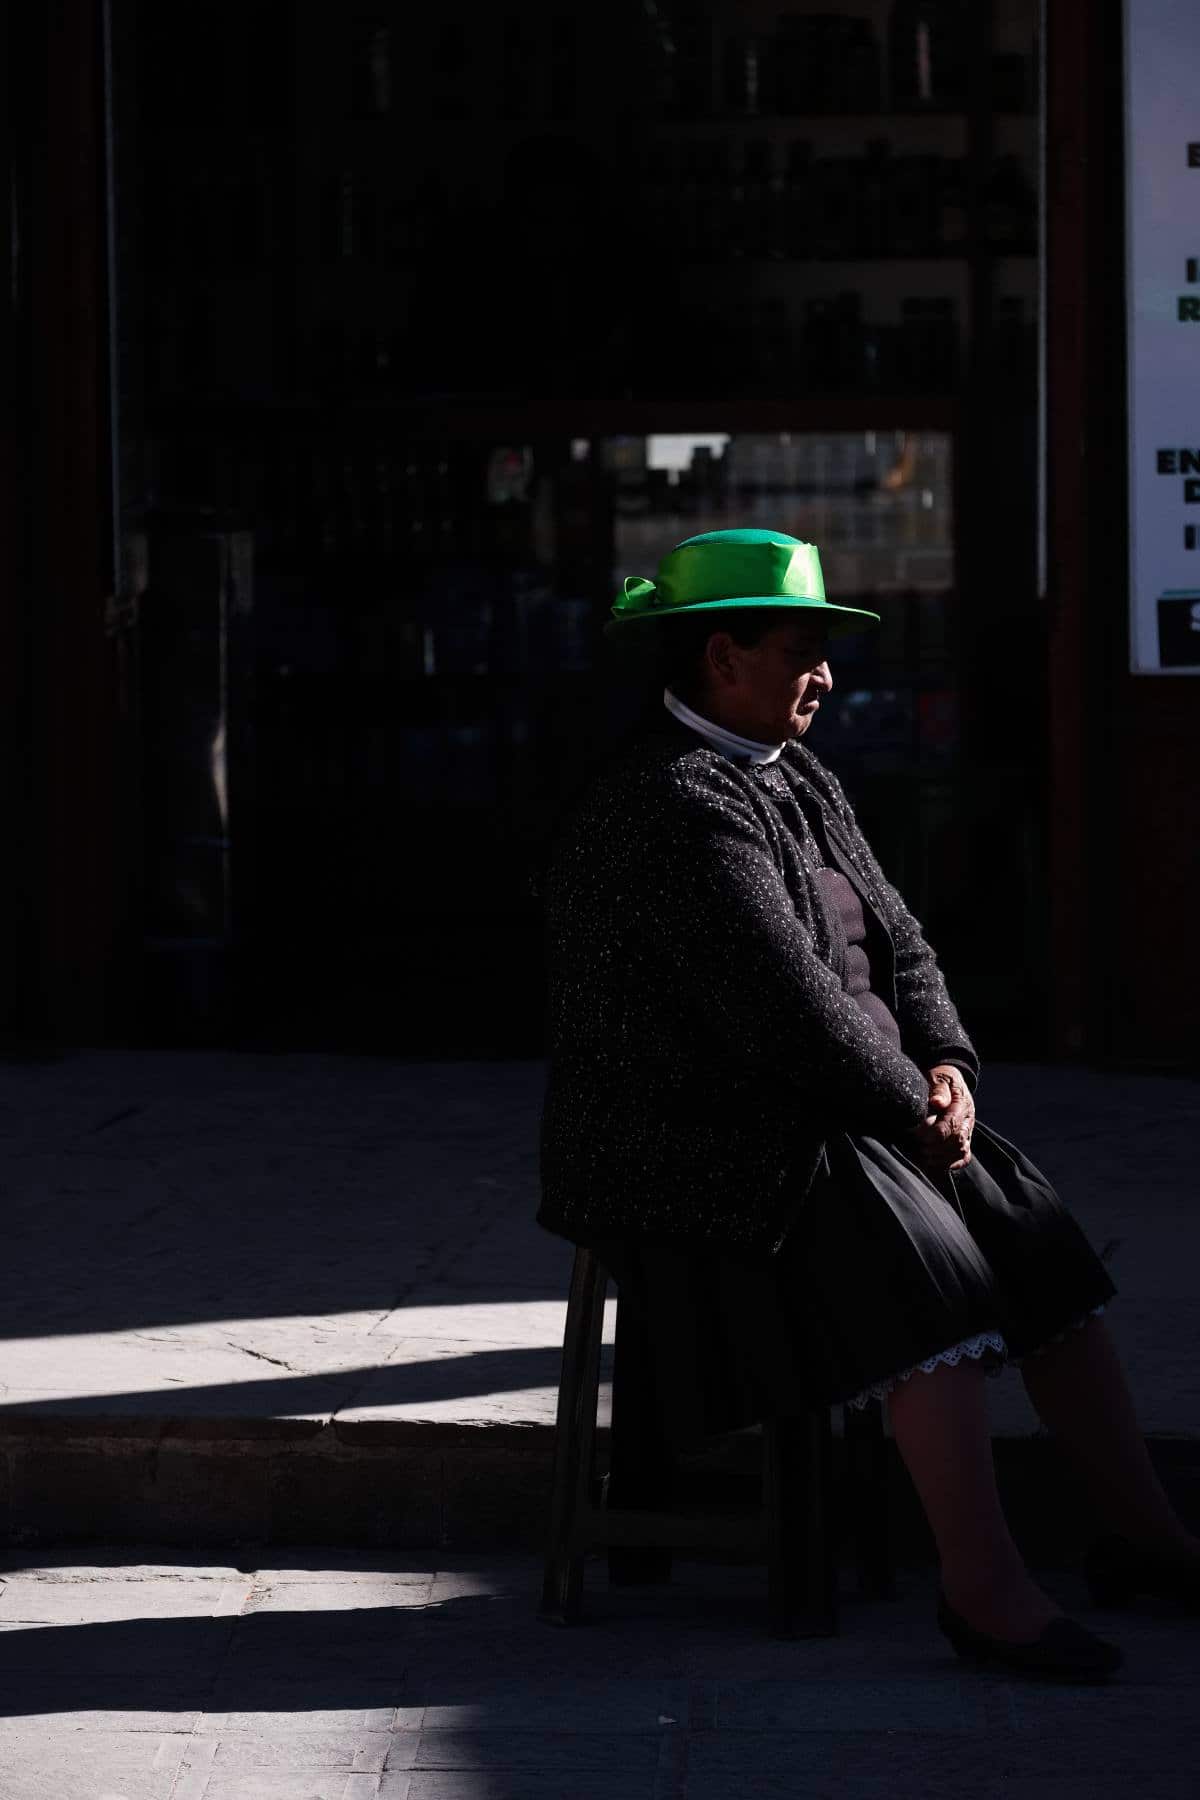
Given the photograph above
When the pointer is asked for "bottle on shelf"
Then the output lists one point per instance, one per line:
(912, 205)
(836, 214)
(199, 347)
(1014, 340)
(744, 68)
(326, 516)
(459, 610)
(850, 469)
(568, 623)
(798, 87)
(774, 200)
(517, 75)
(406, 645)
(563, 71)
(205, 213)
(927, 55)
(689, 200)
(690, 64)
(413, 515)
(1009, 207)
(451, 71)
(441, 499)
(1011, 82)
(353, 533)
(876, 358)
(832, 342)
(349, 221)
(518, 595)
(734, 244)
(529, 600)
(382, 510)
(344, 205)
(397, 223)
(863, 65)
(726, 199)
(367, 225)
(657, 186)
(431, 210)
(371, 70)
(768, 353)
(874, 183)
(713, 199)
(927, 347)
(374, 370)
(842, 51)
(836, 55)
(756, 191)
(952, 216)
(303, 478)
(244, 209)
(795, 227)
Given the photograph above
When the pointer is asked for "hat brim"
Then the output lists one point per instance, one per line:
(849, 618)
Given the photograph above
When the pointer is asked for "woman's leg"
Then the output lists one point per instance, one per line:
(940, 1424)
(1079, 1390)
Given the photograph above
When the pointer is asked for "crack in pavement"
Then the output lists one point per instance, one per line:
(263, 1357)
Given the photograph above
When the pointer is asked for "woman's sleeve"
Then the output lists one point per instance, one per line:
(717, 931)
(926, 1014)
(969, 1074)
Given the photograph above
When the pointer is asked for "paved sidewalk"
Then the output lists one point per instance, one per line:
(142, 1675)
(279, 1297)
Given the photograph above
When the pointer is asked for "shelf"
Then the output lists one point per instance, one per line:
(891, 259)
(517, 416)
(412, 122)
(860, 120)
(332, 278)
(409, 122)
(378, 683)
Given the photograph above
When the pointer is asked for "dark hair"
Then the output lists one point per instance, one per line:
(624, 696)
(682, 642)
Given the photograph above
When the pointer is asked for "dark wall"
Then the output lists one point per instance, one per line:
(64, 899)
(360, 253)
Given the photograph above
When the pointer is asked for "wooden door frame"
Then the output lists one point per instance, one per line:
(56, 555)
(1085, 462)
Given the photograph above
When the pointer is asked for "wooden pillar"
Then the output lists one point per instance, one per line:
(1125, 749)
(1086, 583)
(55, 533)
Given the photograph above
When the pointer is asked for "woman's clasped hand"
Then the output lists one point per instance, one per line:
(942, 1140)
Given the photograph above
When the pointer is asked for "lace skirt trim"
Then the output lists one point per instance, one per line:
(974, 1347)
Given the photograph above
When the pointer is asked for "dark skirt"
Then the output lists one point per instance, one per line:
(885, 1269)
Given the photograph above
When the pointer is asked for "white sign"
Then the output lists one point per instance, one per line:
(1162, 161)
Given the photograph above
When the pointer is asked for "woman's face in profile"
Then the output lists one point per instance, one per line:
(782, 680)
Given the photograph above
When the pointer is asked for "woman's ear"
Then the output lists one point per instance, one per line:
(718, 656)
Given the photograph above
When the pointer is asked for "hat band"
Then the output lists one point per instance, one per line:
(711, 571)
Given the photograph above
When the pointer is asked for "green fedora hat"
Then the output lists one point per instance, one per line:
(723, 569)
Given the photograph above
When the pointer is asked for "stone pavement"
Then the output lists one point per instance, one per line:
(144, 1675)
(302, 1298)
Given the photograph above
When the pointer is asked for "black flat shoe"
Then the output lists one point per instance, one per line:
(1064, 1650)
(1117, 1571)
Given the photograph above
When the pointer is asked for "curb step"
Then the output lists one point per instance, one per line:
(408, 1484)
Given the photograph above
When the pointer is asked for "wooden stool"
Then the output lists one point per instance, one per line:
(791, 1530)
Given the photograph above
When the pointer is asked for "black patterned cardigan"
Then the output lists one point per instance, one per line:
(701, 1044)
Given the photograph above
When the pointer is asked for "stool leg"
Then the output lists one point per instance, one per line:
(797, 1496)
(640, 1465)
(574, 1438)
(867, 1498)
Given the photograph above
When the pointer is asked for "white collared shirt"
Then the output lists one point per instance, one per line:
(728, 742)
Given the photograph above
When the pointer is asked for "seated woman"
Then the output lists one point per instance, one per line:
(759, 1108)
